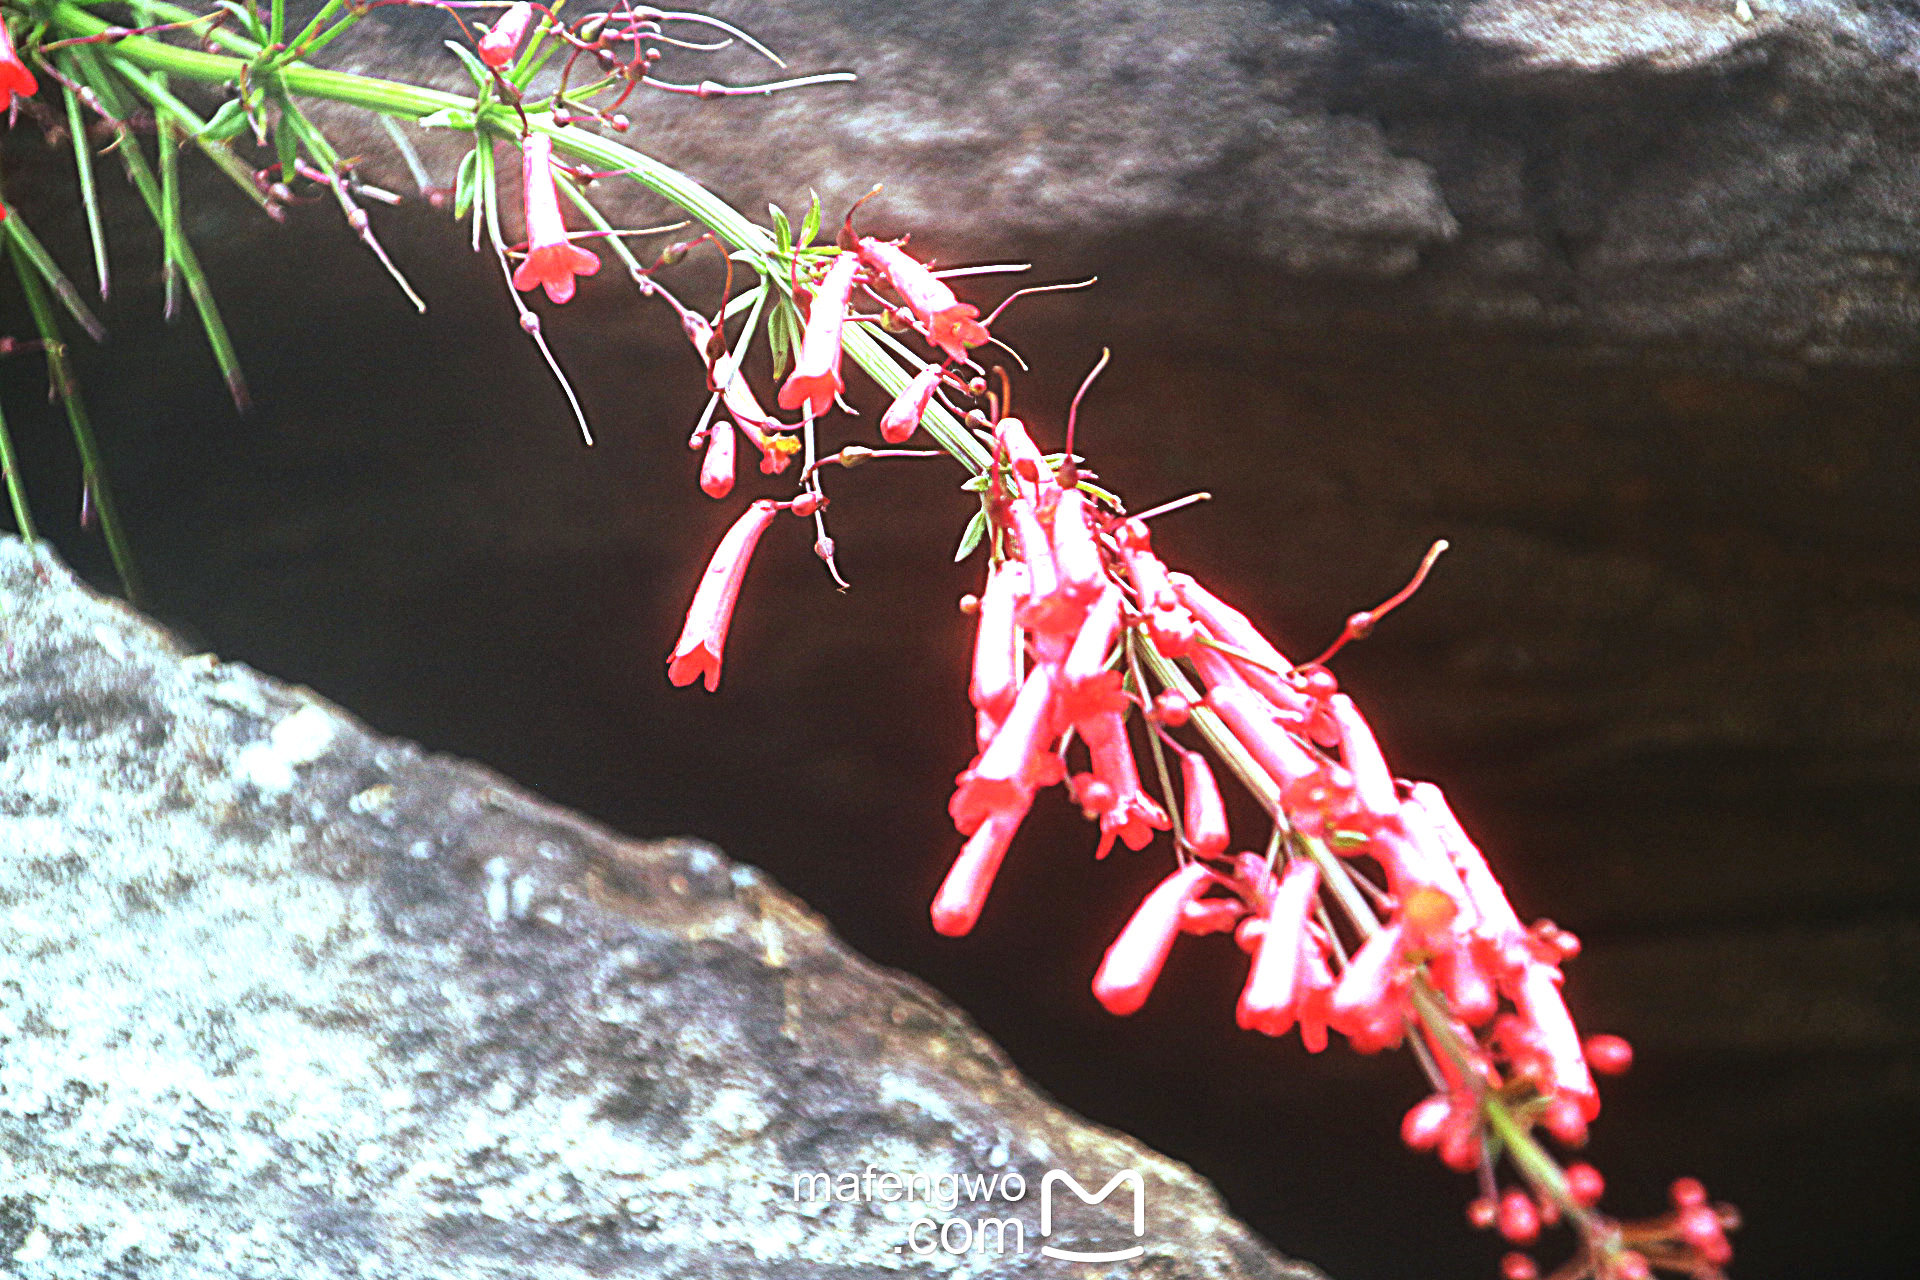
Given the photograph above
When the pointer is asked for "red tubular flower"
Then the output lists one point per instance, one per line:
(1495, 918)
(1087, 687)
(552, 260)
(1014, 762)
(1284, 757)
(1132, 816)
(1076, 554)
(705, 635)
(996, 642)
(1372, 783)
(957, 906)
(1133, 963)
(716, 470)
(1230, 626)
(815, 379)
(14, 76)
(1169, 623)
(902, 417)
(1022, 455)
(1538, 996)
(497, 46)
(951, 324)
(1203, 814)
(1271, 998)
(1369, 1004)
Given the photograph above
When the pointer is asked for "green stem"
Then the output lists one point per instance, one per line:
(16, 491)
(414, 103)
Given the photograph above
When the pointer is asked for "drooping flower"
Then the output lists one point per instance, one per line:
(1230, 626)
(902, 417)
(1170, 623)
(815, 379)
(552, 260)
(996, 643)
(1270, 1001)
(1076, 554)
(1133, 963)
(1132, 815)
(1203, 813)
(951, 325)
(497, 46)
(704, 637)
(1087, 687)
(14, 75)
(1014, 763)
(957, 906)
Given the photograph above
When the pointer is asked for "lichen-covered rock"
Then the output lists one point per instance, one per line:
(283, 999)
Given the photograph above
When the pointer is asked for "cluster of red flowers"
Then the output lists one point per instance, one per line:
(1080, 625)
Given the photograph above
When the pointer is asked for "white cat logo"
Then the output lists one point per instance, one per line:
(1127, 1177)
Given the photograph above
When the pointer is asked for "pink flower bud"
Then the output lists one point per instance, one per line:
(1537, 995)
(1133, 963)
(1420, 1128)
(1372, 783)
(1519, 1220)
(1203, 813)
(705, 634)
(1228, 625)
(716, 471)
(1087, 687)
(1609, 1055)
(497, 46)
(902, 417)
(1585, 1185)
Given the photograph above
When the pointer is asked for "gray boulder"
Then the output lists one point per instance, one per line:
(281, 998)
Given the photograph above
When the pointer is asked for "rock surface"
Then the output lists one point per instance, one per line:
(281, 998)
(1712, 179)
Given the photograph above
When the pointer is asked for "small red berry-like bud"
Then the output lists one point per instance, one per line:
(1585, 1185)
(1172, 708)
(1518, 1266)
(1564, 1121)
(1519, 1220)
(1481, 1212)
(1609, 1055)
(1687, 1192)
(1460, 1144)
(969, 604)
(1423, 1123)
(1630, 1266)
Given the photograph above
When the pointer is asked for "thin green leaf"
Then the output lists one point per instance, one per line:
(16, 491)
(169, 219)
(539, 49)
(286, 139)
(751, 298)
(810, 225)
(249, 22)
(975, 534)
(61, 376)
(782, 231)
(36, 255)
(482, 77)
(228, 123)
(178, 252)
(463, 183)
(783, 334)
(89, 194)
